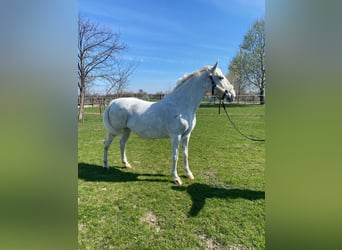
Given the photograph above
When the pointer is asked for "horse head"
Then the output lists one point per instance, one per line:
(221, 87)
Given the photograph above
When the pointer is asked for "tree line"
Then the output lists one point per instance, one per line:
(100, 58)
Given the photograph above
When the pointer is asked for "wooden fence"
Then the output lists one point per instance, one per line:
(247, 99)
(99, 100)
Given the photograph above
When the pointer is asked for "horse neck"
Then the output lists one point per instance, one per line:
(191, 93)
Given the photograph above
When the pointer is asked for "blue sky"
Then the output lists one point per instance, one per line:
(168, 38)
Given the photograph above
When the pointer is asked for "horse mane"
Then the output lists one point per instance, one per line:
(186, 77)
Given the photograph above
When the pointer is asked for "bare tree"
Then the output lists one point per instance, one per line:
(98, 57)
(118, 81)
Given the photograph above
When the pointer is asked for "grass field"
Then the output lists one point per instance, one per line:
(139, 208)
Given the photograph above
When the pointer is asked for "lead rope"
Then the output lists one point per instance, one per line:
(246, 136)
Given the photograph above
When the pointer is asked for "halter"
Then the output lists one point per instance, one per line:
(214, 85)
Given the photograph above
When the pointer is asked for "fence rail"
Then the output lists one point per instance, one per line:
(98, 100)
(240, 99)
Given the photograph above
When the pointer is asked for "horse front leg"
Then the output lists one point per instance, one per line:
(185, 143)
(175, 140)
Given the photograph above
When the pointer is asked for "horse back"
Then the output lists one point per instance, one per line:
(119, 112)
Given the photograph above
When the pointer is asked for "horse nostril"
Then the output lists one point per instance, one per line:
(230, 97)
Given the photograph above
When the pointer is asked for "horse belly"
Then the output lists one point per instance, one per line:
(148, 127)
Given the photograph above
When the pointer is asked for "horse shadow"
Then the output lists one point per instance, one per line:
(200, 192)
(94, 173)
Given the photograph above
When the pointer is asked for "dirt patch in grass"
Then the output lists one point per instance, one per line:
(210, 243)
(210, 174)
(151, 219)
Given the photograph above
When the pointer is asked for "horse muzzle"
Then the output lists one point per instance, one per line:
(229, 96)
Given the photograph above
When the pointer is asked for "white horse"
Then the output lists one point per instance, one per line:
(174, 116)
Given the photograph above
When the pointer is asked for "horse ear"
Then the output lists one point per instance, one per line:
(214, 67)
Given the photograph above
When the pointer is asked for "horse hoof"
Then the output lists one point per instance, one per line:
(178, 182)
(105, 168)
(190, 176)
(128, 166)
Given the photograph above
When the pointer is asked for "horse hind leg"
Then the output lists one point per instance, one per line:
(123, 141)
(107, 143)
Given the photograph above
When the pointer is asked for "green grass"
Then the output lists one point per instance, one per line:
(139, 208)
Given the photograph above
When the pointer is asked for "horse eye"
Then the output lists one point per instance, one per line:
(221, 77)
